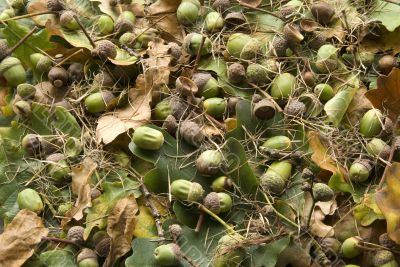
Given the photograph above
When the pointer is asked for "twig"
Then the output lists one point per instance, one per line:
(278, 213)
(84, 31)
(199, 222)
(154, 211)
(65, 59)
(12, 49)
(296, 155)
(188, 260)
(198, 56)
(31, 15)
(59, 240)
(268, 96)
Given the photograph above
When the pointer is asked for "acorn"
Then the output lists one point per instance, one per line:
(58, 167)
(317, 40)
(377, 147)
(221, 5)
(229, 253)
(94, 193)
(22, 108)
(128, 16)
(12, 70)
(295, 108)
(386, 64)
(186, 190)
(143, 38)
(236, 73)
(308, 78)
(275, 178)
(103, 246)
(30, 199)
(175, 51)
(292, 33)
(175, 230)
(75, 234)
(105, 49)
(283, 85)
(127, 39)
(58, 77)
(323, 12)
(236, 43)
(26, 91)
(257, 74)
(221, 183)
(87, 258)
(167, 255)
(371, 123)
(209, 162)
(264, 109)
(350, 247)
(100, 101)
(3, 49)
(331, 246)
(18, 4)
(360, 170)
(215, 106)
(324, 91)
(279, 46)
(191, 133)
(68, 21)
(251, 49)
(192, 43)
(173, 105)
(279, 142)
(148, 138)
(384, 240)
(236, 20)
(32, 144)
(207, 84)
(326, 59)
(384, 258)
(7, 14)
(214, 22)
(54, 5)
(43, 64)
(105, 24)
(103, 80)
(322, 192)
(218, 202)
(187, 12)
(76, 72)
(64, 208)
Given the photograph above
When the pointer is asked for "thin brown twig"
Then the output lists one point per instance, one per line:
(198, 56)
(31, 15)
(12, 49)
(154, 211)
(60, 240)
(84, 31)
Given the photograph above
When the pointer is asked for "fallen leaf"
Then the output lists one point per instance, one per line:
(358, 106)
(121, 223)
(81, 187)
(20, 238)
(387, 13)
(387, 96)
(321, 210)
(163, 6)
(388, 201)
(317, 225)
(146, 225)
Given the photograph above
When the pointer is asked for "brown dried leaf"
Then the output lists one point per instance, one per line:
(387, 41)
(358, 106)
(388, 201)
(321, 210)
(81, 187)
(20, 238)
(387, 96)
(121, 225)
(163, 6)
(250, 3)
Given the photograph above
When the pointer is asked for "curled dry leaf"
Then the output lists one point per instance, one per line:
(358, 106)
(387, 96)
(81, 187)
(120, 227)
(388, 201)
(20, 238)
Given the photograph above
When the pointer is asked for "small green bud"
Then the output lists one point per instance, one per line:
(257, 74)
(350, 247)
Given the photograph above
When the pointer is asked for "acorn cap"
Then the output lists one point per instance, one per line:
(175, 50)
(257, 74)
(322, 192)
(32, 144)
(201, 78)
(292, 33)
(235, 19)
(55, 157)
(58, 76)
(68, 21)
(75, 233)
(308, 78)
(384, 240)
(123, 26)
(3, 49)
(170, 124)
(264, 109)
(221, 5)
(54, 5)
(236, 73)
(103, 247)
(279, 46)
(326, 66)
(383, 257)
(323, 12)
(76, 72)
(26, 91)
(294, 108)
(94, 193)
(86, 254)
(317, 40)
(186, 86)
(105, 49)
(104, 79)
(175, 230)
(191, 132)
(211, 202)
(251, 49)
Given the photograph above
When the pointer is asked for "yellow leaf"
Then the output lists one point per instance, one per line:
(145, 225)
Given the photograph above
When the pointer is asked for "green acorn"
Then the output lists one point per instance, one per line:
(148, 138)
(360, 170)
(279, 142)
(167, 255)
(322, 192)
(327, 59)
(276, 176)
(214, 21)
(350, 247)
(7, 14)
(188, 12)
(68, 21)
(229, 253)
(87, 258)
(324, 91)
(26, 91)
(207, 84)
(221, 183)
(377, 147)
(251, 49)
(218, 202)
(209, 162)
(43, 64)
(186, 190)
(30, 199)
(100, 102)
(215, 106)
(371, 123)
(105, 24)
(384, 258)
(170, 106)
(257, 74)
(192, 43)
(12, 70)
(58, 167)
(236, 43)
(64, 208)
(283, 85)
(127, 39)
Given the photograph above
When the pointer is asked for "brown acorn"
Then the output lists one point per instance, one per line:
(236, 73)
(102, 248)
(75, 233)
(295, 108)
(58, 76)
(191, 132)
(323, 12)
(105, 49)
(3, 49)
(279, 46)
(75, 72)
(386, 64)
(123, 25)
(221, 5)
(317, 40)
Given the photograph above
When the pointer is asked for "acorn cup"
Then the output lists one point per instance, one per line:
(279, 46)
(209, 162)
(41, 63)
(275, 178)
(167, 255)
(104, 49)
(371, 123)
(350, 247)
(295, 108)
(313, 106)
(170, 106)
(186, 190)
(236, 73)
(229, 252)
(207, 84)
(283, 85)
(192, 43)
(292, 33)
(30, 199)
(360, 170)
(12, 70)
(148, 138)
(322, 192)
(214, 22)
(125, 23)
(68, 21)
(75, 234)
(191, 133)
(384, 240)
(26, 91)
(188, 12)
(58, 167)
(323, 12)
(87, 258)
(236, 20)
(264, 109)
(105, 24)
(127, 39)
(279, 142)
(103, 246)
(384, 258)
(215, 107)
(324, 91)
(257, 74)
(218, 202)
(327, 59)
(378, 148)
(221, 183)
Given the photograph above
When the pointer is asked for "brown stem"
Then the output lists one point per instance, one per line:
(296, 155)
(199, 222)
(31, 15)
(59, 240)
(154, 211)
(84, 31)
(12, 49)
(188, 260)
(198, 56)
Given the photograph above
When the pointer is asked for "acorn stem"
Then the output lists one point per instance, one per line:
(199, 222)
(12, 49)
(198, 56)
(154, 211)
(278, 213)
(228, 228)
(84, 31)
(68, 57)
(60, 240)
(31, 15)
